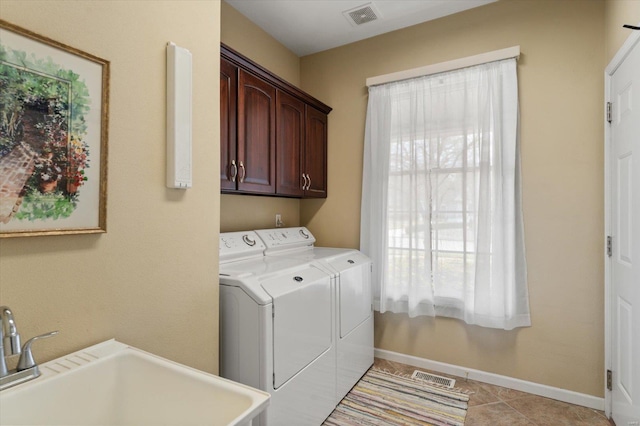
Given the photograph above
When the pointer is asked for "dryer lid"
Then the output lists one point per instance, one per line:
(347, 260)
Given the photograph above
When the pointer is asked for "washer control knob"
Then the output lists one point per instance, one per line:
(304, 234)
(248, 241)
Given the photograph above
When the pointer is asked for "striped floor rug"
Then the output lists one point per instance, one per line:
(383, 398)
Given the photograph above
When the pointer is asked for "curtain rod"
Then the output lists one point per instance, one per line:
(469, 61)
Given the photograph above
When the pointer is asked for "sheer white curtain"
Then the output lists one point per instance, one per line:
(441, 204)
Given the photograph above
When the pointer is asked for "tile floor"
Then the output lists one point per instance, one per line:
(491, 405)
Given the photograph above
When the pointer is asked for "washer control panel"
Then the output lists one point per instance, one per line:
(286, 238)
(240, 245)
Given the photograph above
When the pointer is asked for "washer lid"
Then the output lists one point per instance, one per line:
(250, 274)
(302, 320)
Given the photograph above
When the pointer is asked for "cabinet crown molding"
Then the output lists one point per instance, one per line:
(239, 59)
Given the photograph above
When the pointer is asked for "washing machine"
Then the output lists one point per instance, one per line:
(351, 272)
(277, 330)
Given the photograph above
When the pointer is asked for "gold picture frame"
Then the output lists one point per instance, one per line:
(54, 113)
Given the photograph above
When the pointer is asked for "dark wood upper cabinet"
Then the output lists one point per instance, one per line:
(315, 153)
(273, 135)
(256, 134)
(289, 145)
(228, 122)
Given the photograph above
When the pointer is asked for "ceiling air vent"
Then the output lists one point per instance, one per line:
(361, 14)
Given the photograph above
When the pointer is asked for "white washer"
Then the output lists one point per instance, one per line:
(277, 330)
(351, 271)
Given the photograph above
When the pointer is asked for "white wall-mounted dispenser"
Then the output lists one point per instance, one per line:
(179, 91)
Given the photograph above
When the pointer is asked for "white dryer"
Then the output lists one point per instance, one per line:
(351, 271)
(277, 330)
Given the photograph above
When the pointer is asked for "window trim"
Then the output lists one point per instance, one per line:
(469, 61)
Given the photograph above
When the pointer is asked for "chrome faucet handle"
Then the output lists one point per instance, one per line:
(26, 359)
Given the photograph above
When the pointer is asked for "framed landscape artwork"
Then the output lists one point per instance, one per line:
(53, 136)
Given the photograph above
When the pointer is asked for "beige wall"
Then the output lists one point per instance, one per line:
(617, 13)
(241, 212)
(151, 280)
(561, 98)
(241, 34)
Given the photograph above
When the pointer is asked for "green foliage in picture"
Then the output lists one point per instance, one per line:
(37, 205)
(29, 80)
(42, 110)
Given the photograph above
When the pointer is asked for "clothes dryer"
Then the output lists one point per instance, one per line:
(277, 330)
(351, 271)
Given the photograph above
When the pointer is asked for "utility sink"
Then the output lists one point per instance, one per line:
(115, 384)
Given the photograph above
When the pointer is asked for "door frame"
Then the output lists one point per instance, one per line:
(618, 59)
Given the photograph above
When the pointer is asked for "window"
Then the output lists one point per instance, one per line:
(441, 214)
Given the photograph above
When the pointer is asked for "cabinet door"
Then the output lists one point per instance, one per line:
(289, 144)
(315, 153)
(228, 108)
(256, 134)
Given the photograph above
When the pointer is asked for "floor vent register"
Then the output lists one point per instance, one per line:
(432, 378)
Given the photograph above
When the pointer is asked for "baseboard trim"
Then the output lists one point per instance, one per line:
(495, 379)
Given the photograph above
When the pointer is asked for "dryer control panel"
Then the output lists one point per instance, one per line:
(280, 239)
(240, 245)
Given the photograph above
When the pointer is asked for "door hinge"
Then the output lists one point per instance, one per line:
(273, 311)
(609, 112)
(609, 246)
(609, 380)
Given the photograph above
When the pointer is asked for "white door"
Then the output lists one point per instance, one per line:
(624, 195)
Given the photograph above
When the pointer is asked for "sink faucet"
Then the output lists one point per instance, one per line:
(13, 338)
(27, 368)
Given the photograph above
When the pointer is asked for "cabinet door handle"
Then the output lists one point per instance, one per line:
(304, 183)
(308, 184)
(244, 172)
(234, 170)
